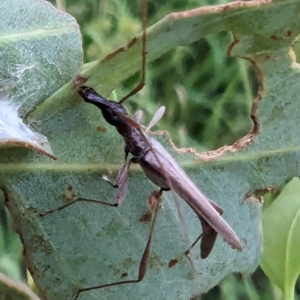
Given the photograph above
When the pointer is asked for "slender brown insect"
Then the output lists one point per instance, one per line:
(159, 167)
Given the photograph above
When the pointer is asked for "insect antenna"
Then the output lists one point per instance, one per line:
(137, 117)
(144, 54)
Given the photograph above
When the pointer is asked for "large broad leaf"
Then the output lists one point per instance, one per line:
(40, 51)
(90, 244)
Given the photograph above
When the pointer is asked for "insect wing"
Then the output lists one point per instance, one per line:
(138, 116)
(157, 116)
(207, 211)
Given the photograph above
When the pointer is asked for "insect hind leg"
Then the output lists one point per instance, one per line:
(145, 255)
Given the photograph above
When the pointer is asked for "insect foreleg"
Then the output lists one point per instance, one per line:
(122, 173)
(121, 183)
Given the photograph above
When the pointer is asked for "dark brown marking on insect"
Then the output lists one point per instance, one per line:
(172, 263)
(289, 33)
(119, 50)
(101, 129)
(273, 37)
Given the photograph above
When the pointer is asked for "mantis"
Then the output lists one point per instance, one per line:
(161, 169)
(159, 166)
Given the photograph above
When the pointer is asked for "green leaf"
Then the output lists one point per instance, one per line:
(281, 227)
(89, 244)
(11, 289)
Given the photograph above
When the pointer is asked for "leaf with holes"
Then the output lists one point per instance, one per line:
(89, 244)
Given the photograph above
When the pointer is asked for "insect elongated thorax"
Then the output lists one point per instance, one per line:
(136, 141)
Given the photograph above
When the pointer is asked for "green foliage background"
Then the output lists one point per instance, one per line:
(201, 79)
(207, 94)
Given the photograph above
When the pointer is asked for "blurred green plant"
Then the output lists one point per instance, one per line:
(280, 222)
(10, 247)
(219, 89)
